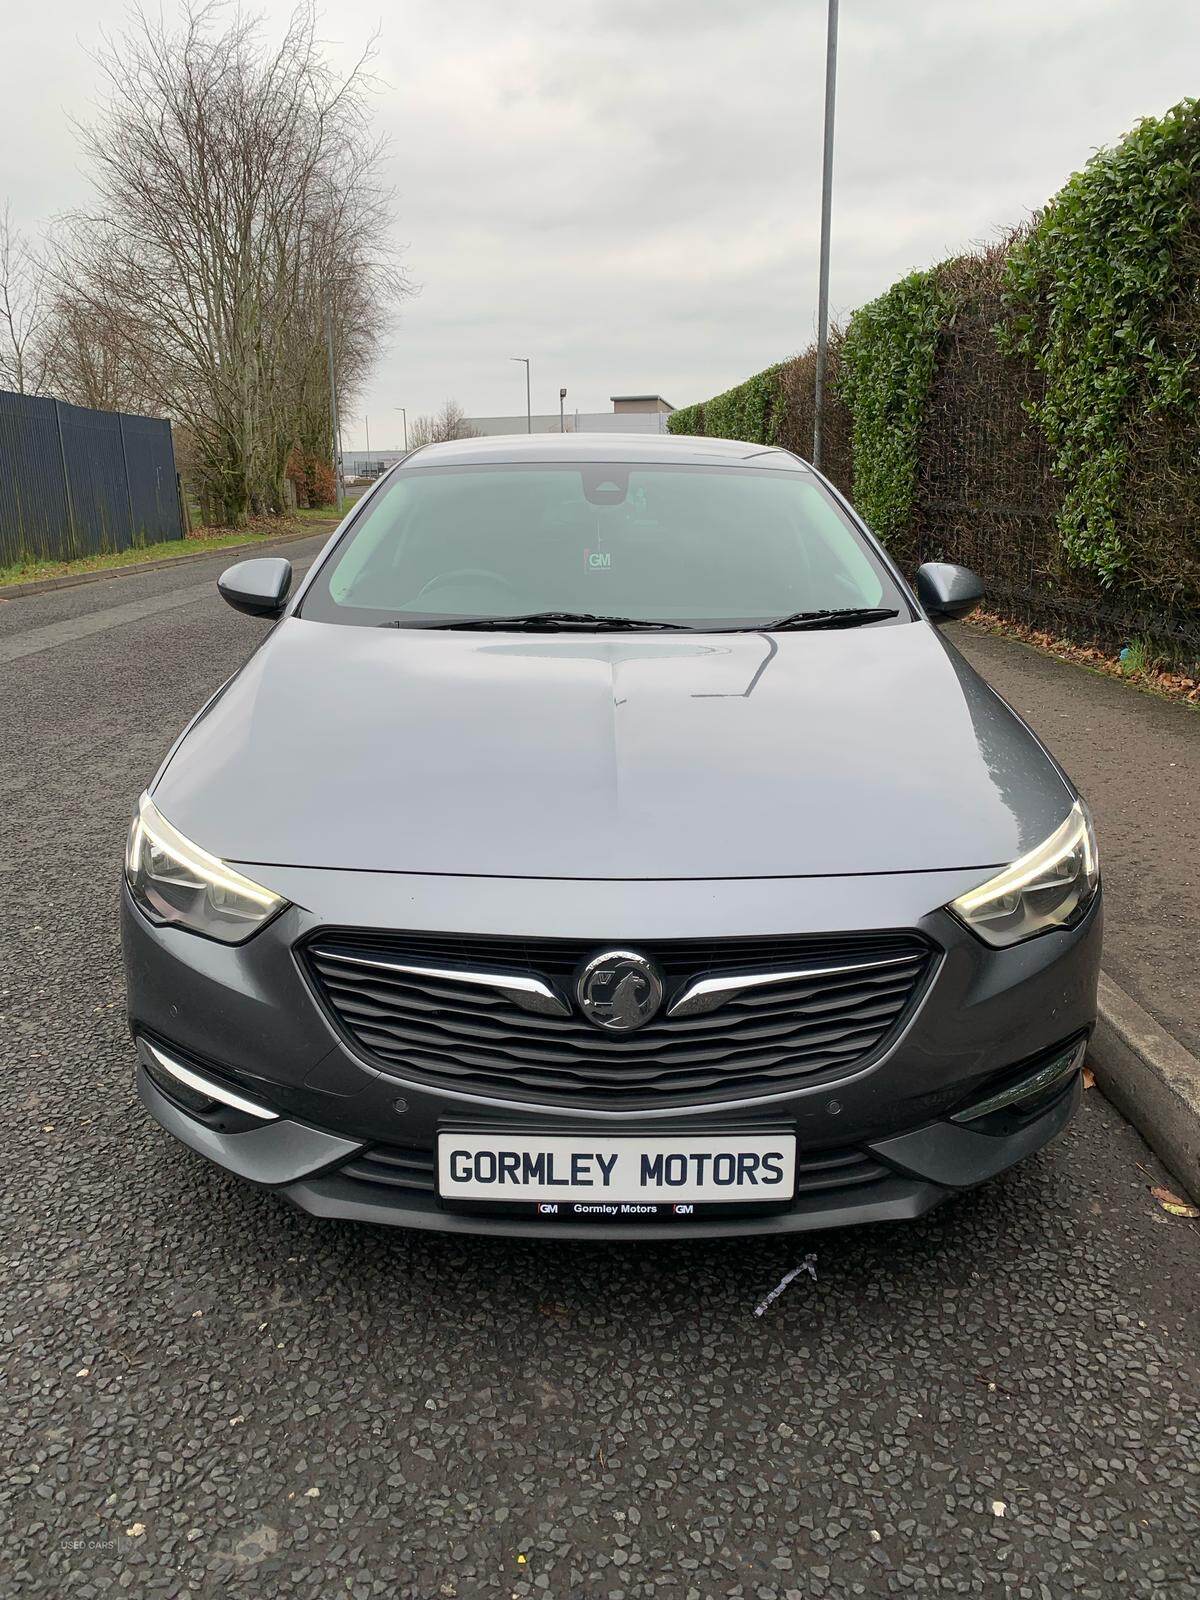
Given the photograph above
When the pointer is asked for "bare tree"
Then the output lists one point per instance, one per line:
(449, 423)
(24, 312)
(240, 207)
(97, 354)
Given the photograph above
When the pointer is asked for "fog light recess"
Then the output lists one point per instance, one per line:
(1040, 1082)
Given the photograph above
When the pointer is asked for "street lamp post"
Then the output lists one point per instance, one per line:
(528, 402)
(404, 414)
(339, 484)
(562, 416)
(826, 205)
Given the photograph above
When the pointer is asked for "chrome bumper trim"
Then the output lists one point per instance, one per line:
(208, 1086)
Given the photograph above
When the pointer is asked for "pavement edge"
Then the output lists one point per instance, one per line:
(1151, 1079)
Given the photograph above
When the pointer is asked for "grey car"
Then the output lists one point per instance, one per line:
(605, 840)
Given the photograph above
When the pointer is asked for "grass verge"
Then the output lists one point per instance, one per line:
(260, 530)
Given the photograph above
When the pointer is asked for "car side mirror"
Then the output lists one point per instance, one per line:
(259, 587)
(947, 591)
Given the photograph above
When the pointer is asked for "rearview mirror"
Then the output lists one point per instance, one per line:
(947, 591)
(259, 587)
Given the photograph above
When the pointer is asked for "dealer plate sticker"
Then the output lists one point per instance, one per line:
(727, 1168)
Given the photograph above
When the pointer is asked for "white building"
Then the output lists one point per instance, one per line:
(631, 413)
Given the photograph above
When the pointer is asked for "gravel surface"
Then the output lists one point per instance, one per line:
(209, 1393)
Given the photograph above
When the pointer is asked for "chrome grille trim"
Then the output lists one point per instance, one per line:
(529, 992)
(706, 994)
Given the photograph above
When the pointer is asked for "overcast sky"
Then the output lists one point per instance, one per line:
(627, 191)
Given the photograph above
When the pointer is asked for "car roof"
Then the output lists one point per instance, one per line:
(669, 448)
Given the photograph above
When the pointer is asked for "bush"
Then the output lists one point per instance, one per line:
(1032, 409)
(750, 411)
(312, 477)
(887, 368)
(1089, 289)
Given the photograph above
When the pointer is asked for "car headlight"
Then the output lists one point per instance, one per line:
(1048, 888)
(175, 882)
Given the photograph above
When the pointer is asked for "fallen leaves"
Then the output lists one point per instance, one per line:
(1089, 1078)
(1175, 1204)
(1176, 685)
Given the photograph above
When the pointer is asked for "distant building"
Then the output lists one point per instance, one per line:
(369, 463)
(626, 405)
(631, 413)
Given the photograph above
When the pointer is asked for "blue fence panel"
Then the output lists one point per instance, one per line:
(153, 490)
(75, 482)
(34, 515)
(96, 479)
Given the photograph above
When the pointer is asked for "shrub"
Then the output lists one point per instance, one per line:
(312, 476)
(887, 368)
(1089, 289)
(751, 410)
(1032, 409)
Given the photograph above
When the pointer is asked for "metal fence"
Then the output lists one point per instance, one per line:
(75, 482)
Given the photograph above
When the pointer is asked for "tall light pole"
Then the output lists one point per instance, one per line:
(826, 205)
(404, 414)
(333, 405)
(528, 402)
(562, 416)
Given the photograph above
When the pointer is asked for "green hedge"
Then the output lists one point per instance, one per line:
(752, 410)
(1045, 391)
(1089, 287)
(887, 367)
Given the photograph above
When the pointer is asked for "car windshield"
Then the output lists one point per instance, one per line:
(642, 543)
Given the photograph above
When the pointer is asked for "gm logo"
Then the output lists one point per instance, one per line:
(548, 1208)
(683, 1211)
(597, 558)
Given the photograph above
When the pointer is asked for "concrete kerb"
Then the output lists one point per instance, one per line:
(1151, 1079)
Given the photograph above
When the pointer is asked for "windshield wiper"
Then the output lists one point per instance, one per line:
(846, 617)
(541, 621)
(589, 622)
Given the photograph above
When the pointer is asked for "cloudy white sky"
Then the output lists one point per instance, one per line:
(627, 191)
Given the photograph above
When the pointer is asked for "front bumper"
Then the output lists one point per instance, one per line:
(877, 1143)
(317, 1171)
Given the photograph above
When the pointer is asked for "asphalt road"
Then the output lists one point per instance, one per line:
(207, 1393)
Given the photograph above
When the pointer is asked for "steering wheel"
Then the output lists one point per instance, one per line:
(466, 572)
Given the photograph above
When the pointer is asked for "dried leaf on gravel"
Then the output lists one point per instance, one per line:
(1089, 1078)
(1177, 685)
(1175, 1204)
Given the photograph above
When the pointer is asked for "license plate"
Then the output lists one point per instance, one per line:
(574, 1171)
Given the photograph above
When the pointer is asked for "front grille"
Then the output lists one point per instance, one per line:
(475, 1039)
(393, 1167)
(820, 1170)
